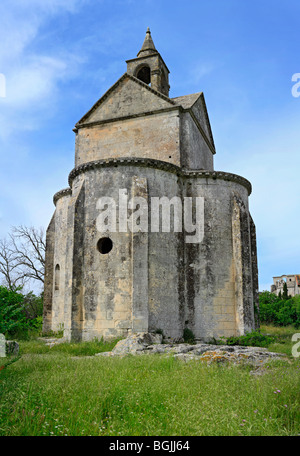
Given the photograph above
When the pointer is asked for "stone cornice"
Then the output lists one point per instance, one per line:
(61, 193)
(219, 175)
(157, 164)
(155, 54)
(150, 113)
(131, 116)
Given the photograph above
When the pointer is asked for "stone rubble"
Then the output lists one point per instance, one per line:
(147, 343)
(52, 341)
(12, 347)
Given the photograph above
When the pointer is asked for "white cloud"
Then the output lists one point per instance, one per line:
(33, 81)
(31, 75)
(28, 86)
(21, 20)
(34, 72)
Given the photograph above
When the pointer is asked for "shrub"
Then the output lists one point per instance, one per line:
(188, 336)
(279, 311)
(20, 315)
(252, 339)
(33, 306)
(12, 317)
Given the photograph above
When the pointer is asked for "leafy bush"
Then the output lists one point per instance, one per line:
(188, 336)
(12, 317)
(252, 339)
(278, 311)
(20, 314)
(33, 306)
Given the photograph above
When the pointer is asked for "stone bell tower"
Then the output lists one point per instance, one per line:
(149, 67)
(136, 146)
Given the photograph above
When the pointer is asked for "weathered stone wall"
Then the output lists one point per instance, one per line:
(254, 272)
(71, 252)
(49, 269)
(59, 264)
(212, 301)
(195, 153)
(155, 136)
(119, 291)
(199, 110)
(155, 280)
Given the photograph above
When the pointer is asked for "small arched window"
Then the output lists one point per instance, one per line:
(144, 74)
(57, 277)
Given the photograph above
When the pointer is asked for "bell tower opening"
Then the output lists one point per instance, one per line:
(144, 74)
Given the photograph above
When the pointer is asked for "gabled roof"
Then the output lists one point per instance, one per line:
(195, 103)
(110, 105)
(165, 101)
(187, 101)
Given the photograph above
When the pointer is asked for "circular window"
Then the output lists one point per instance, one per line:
(104, 245)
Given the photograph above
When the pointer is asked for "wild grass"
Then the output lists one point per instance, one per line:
(55, 392)
(283, 335)
(75, 349)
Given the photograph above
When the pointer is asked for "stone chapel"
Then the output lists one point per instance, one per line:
(137, 145)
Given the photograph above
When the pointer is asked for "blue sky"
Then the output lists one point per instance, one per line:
(59, 56)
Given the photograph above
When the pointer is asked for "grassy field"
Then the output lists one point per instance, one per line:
(63, 391)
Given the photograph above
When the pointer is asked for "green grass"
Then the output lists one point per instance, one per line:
(55, 392)
(283, 335)
(74, 349)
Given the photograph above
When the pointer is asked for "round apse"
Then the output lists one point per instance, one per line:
(104, 245)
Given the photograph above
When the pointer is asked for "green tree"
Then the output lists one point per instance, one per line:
(33, 305)
(20, 315)
(285, 291)
(12, 317)
(280, 295)
(279, 311)
(269, 304)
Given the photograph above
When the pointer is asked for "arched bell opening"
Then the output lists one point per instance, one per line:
(144, 75)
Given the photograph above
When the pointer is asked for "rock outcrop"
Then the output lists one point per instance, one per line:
(148, 343)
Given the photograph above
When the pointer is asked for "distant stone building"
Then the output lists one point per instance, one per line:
(292, 282)
(106, 277)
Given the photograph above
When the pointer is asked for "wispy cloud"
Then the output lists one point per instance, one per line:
(32, 76)
(28, 86)
(36, 71)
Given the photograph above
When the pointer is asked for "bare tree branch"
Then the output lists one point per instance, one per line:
(9, 265)
(30, 247)
(34, 240)
(23, 257)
